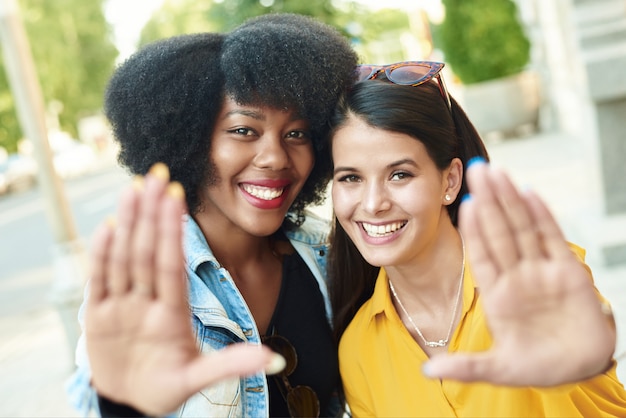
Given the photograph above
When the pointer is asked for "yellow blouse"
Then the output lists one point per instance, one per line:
(380, 366)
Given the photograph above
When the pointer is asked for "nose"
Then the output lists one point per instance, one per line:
(375, 198)
(272, 154)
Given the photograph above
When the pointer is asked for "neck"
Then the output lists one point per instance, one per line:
(429, 308)
(432, 277)
(234, 248)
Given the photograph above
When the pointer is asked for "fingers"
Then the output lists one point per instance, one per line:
(118, 277)
(512, 225)
(234, 361)
(474, 367)
(485, 272)
(170, 279)
(495, 229)
(142, 254)
(516, 212)
(481, 367)
(554, 243)
(145, 230)
(99, 258)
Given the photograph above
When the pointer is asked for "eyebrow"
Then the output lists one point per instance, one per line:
(260, 115)
(392, 165)
(250, 113)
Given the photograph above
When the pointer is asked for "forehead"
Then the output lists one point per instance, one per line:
(357, 141)
(230, 107)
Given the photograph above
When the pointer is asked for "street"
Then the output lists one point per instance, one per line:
(26, 241)
(35, 358)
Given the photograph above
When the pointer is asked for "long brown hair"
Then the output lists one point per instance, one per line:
(421, 113)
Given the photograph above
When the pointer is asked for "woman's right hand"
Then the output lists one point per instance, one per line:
(544, 314)
(140, 343)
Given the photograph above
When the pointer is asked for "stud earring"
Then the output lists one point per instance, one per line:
(447, 197)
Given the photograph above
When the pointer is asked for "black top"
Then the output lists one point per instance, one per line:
(300, 317)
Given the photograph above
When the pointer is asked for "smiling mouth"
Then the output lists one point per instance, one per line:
(263, 193)
(377, 231)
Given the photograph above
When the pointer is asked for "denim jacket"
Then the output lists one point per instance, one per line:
(219, 317)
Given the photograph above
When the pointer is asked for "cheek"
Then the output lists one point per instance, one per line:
(304, 160)
(412, 200)
(343, 203)
(422, 206)
(224, 157)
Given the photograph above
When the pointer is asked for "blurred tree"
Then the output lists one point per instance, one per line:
(358, 23)
(72, 49)
(233, 12)
(483, 39)
(378, 37)
(177, 17)
(186, 16)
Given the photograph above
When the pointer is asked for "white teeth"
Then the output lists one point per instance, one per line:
(265, 193)
(382, 230)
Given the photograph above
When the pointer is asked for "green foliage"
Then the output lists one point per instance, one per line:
(381, 38)
(186, 16)
(233, 12)
(358, 23)
(9, 129)
(74, 57)
(483, 39)
(177, 17)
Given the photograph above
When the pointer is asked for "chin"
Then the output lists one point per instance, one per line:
(379, 260)
(266, 227)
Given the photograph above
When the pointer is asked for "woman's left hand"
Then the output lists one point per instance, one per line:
(544, 314)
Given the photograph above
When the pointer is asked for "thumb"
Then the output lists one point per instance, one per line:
(233, 361)
(462, 367)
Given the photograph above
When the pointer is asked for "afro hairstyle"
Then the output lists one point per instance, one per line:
(285, 60)
(163, 101)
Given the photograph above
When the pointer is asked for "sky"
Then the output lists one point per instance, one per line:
(129, 16)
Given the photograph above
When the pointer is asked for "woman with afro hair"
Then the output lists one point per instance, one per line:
(228, 132)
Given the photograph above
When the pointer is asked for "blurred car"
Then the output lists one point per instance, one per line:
(71, 158)
(17, 172)
(4, 185)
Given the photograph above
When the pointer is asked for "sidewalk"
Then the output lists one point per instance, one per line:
(35, 359)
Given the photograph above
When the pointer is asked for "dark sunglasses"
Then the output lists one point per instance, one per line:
(408, 73)
(301, 400)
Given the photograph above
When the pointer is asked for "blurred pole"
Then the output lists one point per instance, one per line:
(68, 253)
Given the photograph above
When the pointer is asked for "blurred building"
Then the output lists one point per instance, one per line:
(579, 48)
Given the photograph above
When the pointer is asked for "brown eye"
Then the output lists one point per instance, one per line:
(242, 131)
(299, 136)
(400, 175)
(350, 178)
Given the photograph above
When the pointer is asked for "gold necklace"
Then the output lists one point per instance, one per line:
(440, 343)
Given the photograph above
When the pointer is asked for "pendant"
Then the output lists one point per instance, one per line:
(440, 343)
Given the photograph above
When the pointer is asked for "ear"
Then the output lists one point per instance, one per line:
(451, 181)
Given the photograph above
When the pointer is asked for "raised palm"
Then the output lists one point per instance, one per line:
(141, 347)
(542, 309)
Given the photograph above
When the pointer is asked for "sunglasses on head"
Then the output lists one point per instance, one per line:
(301, 400)
(407, 73)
